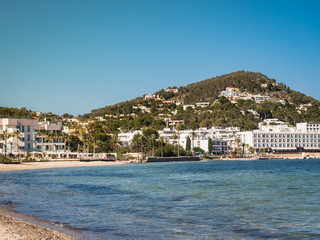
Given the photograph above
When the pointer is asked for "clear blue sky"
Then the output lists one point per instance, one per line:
(77, 55)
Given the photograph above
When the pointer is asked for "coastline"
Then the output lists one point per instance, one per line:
(15, 226)
(55, 164)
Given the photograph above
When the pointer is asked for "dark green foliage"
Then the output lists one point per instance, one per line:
(139, 143)
(73, 143)
(198, 150)
(102, 141)
(188, 144)
(149, 131)
(7, 112)
(209, 90)
(210, 145)
(166, 95)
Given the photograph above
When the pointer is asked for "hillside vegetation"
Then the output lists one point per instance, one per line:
(209, 90)
(222, 112)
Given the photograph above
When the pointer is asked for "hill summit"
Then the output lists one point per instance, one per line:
(236, 99)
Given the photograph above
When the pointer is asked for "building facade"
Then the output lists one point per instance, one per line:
(282, 138)
(28, 139)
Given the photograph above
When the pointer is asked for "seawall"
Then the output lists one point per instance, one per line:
(172, 159)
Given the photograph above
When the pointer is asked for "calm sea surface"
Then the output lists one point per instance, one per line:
(268, 199)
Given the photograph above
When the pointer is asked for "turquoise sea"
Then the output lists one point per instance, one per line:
(266, 199)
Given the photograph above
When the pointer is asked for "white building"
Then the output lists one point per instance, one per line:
(199, 138)
(304, 137)
(175, 122)
(229, 94)
(149, 96)
(174, 90)
(203, 104)
(58, 143)
(256, 98)
(186, 106)
(28, 139)
(309, 127)
(126, 138)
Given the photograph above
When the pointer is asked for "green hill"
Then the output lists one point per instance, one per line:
(209, 90)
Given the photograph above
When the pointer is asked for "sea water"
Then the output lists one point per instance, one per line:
(265, 199)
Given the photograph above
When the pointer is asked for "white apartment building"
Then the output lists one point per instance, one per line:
(58, 144)
(28, 140)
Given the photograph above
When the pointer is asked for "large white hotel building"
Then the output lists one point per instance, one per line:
(276, 136)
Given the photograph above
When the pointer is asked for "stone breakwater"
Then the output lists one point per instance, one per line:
(172, 159)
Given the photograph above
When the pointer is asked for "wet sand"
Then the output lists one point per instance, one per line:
(17, 228)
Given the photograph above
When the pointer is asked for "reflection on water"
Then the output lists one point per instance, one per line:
(277, 199)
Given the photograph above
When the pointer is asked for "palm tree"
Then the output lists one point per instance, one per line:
(86, 142)
(58, 135)
(41, 133)
(48, 139)
(114, 142)
(67, 139)
(5, 135)
(52, 137)
(178, 127)
(175, 137)
(166, 146)
(17, 135)
(153, 138)
(161, 144)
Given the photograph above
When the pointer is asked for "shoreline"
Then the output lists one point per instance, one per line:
(55, 164)
(17, 226)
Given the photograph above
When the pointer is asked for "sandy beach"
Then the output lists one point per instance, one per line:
(55, 164)
(15, 228)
